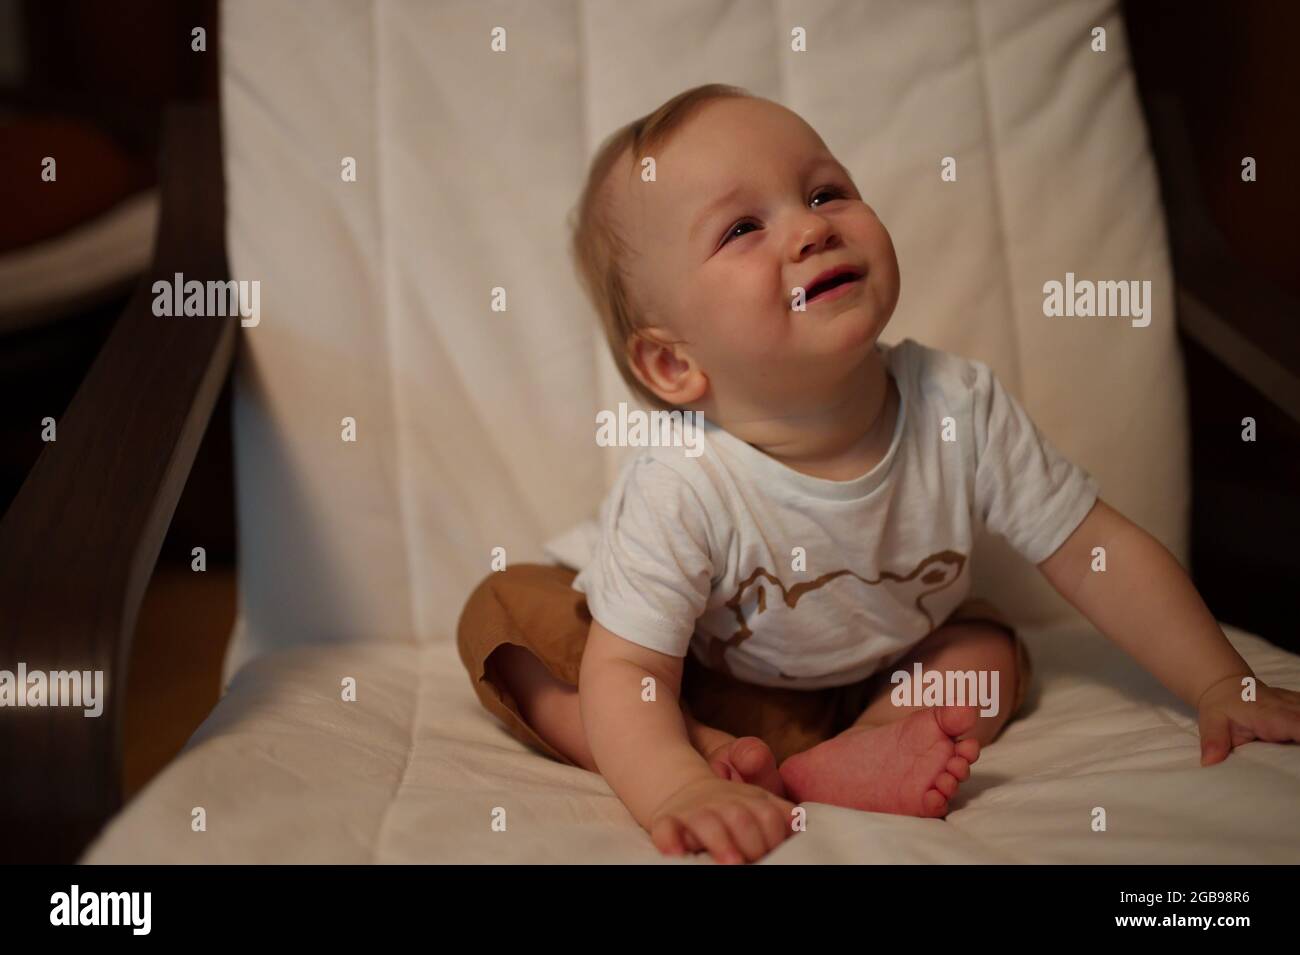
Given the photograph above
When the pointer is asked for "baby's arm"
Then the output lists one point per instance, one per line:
(643, 751)
(641, 748)
(1146, 604)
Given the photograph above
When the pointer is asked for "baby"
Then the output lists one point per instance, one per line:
(727, 651)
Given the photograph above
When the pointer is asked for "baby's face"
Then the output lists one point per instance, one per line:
(748, 203)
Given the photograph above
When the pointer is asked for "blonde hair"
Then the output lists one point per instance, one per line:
(599, 253)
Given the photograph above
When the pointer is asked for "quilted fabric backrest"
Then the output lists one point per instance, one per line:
(474, 428)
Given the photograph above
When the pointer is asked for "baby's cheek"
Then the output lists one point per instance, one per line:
(747, 339)
(881, 250)
(743, 313)
(766, 345)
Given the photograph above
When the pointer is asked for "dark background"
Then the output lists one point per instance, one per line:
(88, 81)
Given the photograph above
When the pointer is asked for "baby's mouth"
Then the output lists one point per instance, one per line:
(849, 276)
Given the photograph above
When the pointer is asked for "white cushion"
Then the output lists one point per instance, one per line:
(414, 769)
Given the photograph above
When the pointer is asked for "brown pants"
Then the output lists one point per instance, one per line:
(533, 606)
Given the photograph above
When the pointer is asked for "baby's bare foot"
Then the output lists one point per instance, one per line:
(911, 767)
(748, 760)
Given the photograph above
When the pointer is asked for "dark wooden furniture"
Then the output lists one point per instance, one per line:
(80, 541)
(1208, 75)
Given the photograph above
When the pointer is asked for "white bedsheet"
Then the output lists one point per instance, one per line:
(412, 771)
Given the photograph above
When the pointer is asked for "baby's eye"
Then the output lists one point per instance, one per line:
(731, 233)
(833, 191)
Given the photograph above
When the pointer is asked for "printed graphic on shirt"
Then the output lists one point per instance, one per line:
(932, 575)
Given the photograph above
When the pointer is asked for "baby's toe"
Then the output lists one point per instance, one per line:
(933, 804)
(959, 768)
(946, 783)
(968, 749)
(955, 720)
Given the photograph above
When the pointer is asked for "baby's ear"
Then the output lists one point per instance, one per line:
(664, 367)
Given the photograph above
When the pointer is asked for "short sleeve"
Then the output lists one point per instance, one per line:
(1025, 490)
(650, 574)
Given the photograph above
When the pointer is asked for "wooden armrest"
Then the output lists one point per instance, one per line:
(79, 543)
(1241, 318)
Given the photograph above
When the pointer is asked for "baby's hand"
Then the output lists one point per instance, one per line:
(735, 822)
(1227, 720)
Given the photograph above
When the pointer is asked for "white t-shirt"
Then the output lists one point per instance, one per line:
(703, 554)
